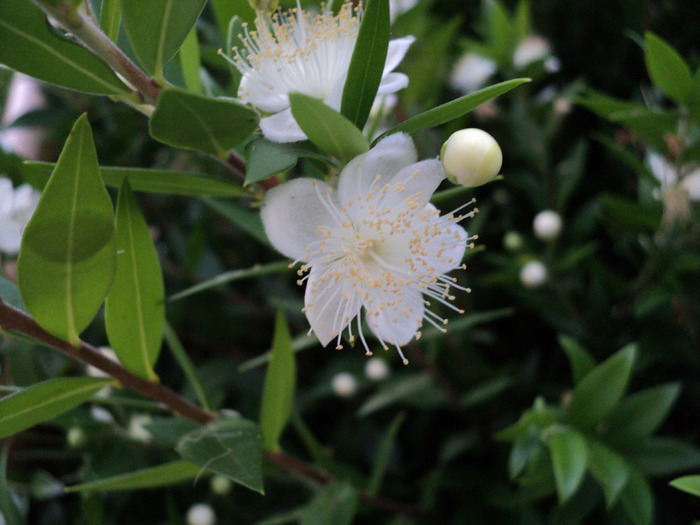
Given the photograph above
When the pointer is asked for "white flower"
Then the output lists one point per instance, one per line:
(667, 174)
(471, 157)
(16, 208)
(375, 242)
(376, 369)
(137, 428)
(547, 225)
(533, 275)
(399, 7)
(344, 384)
(201, 514)
(471, 72)
(534, 48)
(295, 52)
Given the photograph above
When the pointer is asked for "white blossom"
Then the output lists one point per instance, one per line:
(533, 275)
(16, 208)
(137, 428)
(668, 175)
(374, 243)
(201, 514)
(377, 369)
(534, 48)
(344, 384)
(471, 157)
(547, 225)
(298, 52)
(471, 72)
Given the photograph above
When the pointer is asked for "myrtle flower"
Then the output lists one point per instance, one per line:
(374, 243)
(298, 52)
(471, 72)
(16, 208)
(668, 175)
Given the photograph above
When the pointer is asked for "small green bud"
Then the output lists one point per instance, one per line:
(471, 157)
(220, 485)
(76, 437)
(513, 241)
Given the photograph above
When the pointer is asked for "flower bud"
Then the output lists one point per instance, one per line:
(344, 384)
(471, 157)
(76, 437)
(533, 274)
(513, 241)
(547, 225)
(376, 369)
(220, 485)
(201, 514)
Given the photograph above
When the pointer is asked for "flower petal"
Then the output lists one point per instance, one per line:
(291, 214)
(10, 237)
(691, 182)
(282, 127)
(391, 83)
(387, 158)
(330, 305)
(396, 51)
(254, 90)
(414, 184)
(446, 250)
(395, 318)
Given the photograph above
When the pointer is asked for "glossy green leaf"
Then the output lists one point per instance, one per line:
(280, 380)
(206, 124)
(580, 360)
(68, 255)
(111, 18)
(640, 414)
(190, 62)
(148, 180)
(265, 159)
(367, 63)
(600, 390)
(638, 499)
(232, 447)
(334, 504)
(569, 453)
(609, 469)
(453, 109)
(45, 401)
(157, 28)
(134, 308)
(666, 68)
(328, 129)
(28, 45)
(689, 484)
(160, 476)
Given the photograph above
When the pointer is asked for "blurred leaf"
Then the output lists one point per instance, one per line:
(640, 414)
(280, 380)
(111, 18)
(693, 101)
(367, 64)
(225, 10)
(522, 452)
(609, 469)
(245, 220)
(453, 109)
(68, 257)
(666, 68)
(638, 499)
(659, 456)
(10, 294)
(386, 447)
(521, 20)
(158, 28)
(500, 31)
(134, 308)
(232, 447)
(235, 43)
(190, 62)
(334, 504)
(689, 484)
(187, 366)
(569, 172)
(328, 129)
(580, 360)
(418, 389)
(605, 106)
(206, 124)
(160, 476)
(9, 513)
(170, 430)
(486, 391)
(147, 180)
(45, 401)
(28, 45)
(538, 418)
(649, 125)
(601, 389)
(264, 159)
(628, 217)
(569, 459)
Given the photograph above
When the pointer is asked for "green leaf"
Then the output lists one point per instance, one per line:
(225, 10)
(367, 63)
(157, 28)
(68, 255)
(243, 219)
(147, 180)
(453, 109)
(659, 456)
(418, 389)
(160, 476)
(600, 390)
(265, 158)
(190, 62)
(10, 294)
(327, 128)
(187, 366)
(45, 401)
(638, 499)
(134, 308)
(206, 124)
(8, 506)
(640, 414)
(278, 393)
(580, 360)
(569, 453)
(111, 18)
(693, 101)
(28, 45)
(386, 447)
(666, 68)
(334, 504)
(609, 469)
(232, 447)
(689, 484)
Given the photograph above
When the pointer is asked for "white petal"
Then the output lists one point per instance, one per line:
(691, 182)
(664, 172)
(330, 305)
(417, 182)
(387, 158)
(10, 236)
(396, 51)
(396, 324)
(282, 127)
(391, 83)
(257, 92)
(291, 214)
(447, 249)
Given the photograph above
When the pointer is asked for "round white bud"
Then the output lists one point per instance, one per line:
(220, 485)
(201, 514)
(547, 225)
(533, 275)
(76, 437)
(471, 157)
(344, 384)
(376, 369)
(513, 241)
